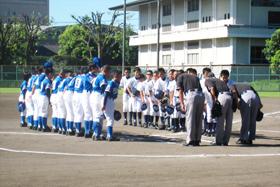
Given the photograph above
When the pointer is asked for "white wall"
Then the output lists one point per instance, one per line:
(223, 7)
(153, 61)
(242, 51)
(154, 13)
(260, 14)
(179, 15)
(224, 53)
(206, 8)
(144, 57)
(206, 52)
(179, 53)
(243, 12)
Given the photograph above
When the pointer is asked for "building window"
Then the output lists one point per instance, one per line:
(272, 3)
(167, 10)
(143, 28)
(193, 58)
(209, 18)
(6, 13)
(274, 18)
(154, 26)
(193, 5)
(14, 13)
(166, 28)
(166, 59)
(192, 24)
(227, 16)
(166, 47)
(257, 56)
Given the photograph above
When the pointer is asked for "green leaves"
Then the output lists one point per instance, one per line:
(272, 49)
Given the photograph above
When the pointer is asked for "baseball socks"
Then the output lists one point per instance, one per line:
(54, 122)
(140, 118)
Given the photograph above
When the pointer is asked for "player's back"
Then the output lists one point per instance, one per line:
(99, 82)
(40, 80)
(56, 82)
(79, 84)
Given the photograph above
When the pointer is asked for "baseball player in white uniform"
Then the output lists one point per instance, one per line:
(110, 94)
(126, 95)
(144, 92)
(28, 99)
(162, 85)
(153, 101)
(135, 100)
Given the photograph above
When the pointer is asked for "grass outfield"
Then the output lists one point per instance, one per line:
(262, 94)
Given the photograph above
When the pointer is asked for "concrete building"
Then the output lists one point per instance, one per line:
(19, 7)
(199, 33)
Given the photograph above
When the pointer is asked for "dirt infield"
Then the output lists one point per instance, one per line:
(143, 157)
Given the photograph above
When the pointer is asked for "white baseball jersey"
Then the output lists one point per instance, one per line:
(172, 87)
(132, 83)
(124, 81)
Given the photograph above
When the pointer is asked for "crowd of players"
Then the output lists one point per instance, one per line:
(180, 100)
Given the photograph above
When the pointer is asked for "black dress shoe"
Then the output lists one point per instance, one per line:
(191, 143)
(196, 143)
(240, 141)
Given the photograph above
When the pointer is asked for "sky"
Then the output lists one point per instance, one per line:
(61, 11)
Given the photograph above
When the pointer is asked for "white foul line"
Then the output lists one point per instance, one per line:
(140, 156)
(29, 133)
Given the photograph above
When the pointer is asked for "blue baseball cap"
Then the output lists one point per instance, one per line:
(97, 61)
(48, 65)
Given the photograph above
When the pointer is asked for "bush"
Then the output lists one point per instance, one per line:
(39, 60)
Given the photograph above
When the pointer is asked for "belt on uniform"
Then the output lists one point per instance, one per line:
(247, 91)
(87, 91)
(147, 95)
(224, 92)
(177, 97)
(194, 90)
(97, 92)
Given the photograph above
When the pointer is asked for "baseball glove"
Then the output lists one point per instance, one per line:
(156, 108)
(117, 115)
(216, 109)
(144, 107)
(21, 106)
(164, 101)
(163, 109)
(135, 92)
(159, 95)
(169, 110)
(259, 115)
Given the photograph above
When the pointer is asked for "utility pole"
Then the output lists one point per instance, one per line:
(124, 35)
(158, 31)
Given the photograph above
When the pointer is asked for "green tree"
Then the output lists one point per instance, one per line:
(10, 39)
(32, 31)
(76, 42)
(272, 49)
(106, 37)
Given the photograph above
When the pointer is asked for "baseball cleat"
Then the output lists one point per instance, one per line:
(72, 133)
(110, 139)
(63, 132)
(54, 130)
(140, 124)
(98, 138)
(34, 128)
(87, 135)
(39, 129)
(59, 131)
(161, 127)
(125, 122)
(130, 122)
(23, 125)
(29, 126)
(240, 141)
(47, 129)
(145, 125)
(135, 124)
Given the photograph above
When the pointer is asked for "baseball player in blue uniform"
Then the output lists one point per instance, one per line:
(28, 99)
(98, 88)
(55, 84)
(144, 92)
(88, 119)
(77, 102)
(126, 95)
(110, 94)
(134, 100)
(60, 102)
(68, 99)
(44, 100)
(38, 83)
(153, 100)
(22, 97)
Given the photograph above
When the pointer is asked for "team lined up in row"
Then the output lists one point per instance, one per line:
(86, 94)
(190, 98)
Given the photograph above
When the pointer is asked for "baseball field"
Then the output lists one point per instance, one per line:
(143, 157)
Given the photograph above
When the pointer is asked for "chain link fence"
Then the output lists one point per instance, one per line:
(261, 77)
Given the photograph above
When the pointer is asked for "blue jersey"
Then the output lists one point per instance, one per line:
(88, 81)
(98, 83)
(64, 84)
(55, 84)
(39, 81)
(46, 84)
(79, 84)
(23, 86)
(30, 83)
(112, 88)
(71, 84)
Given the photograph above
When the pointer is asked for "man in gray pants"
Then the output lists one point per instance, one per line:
(249, 104)
(220, 91)
(193, 105)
